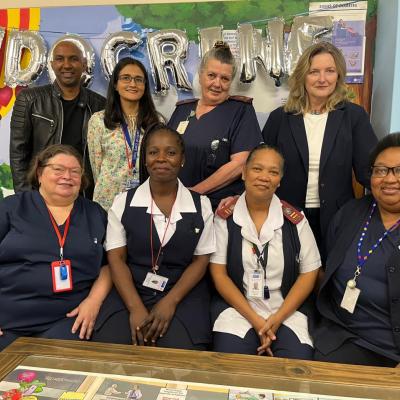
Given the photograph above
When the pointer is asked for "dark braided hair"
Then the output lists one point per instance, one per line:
(151, 131)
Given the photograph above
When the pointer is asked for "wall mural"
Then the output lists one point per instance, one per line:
(266, 36)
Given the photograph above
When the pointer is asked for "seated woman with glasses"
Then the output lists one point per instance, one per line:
(54, 281)
(359, 299)
(115, 134)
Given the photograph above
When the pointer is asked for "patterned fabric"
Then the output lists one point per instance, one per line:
(108, 159)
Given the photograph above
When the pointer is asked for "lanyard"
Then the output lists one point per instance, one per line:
(154, 265)
(362, 259)
(128, 143)
(262, 258)
(61, 240)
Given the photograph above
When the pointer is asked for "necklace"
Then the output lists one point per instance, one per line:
(315, 112)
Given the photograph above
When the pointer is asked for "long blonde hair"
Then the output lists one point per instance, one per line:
(298, 101)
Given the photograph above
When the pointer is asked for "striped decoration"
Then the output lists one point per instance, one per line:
(21, 19)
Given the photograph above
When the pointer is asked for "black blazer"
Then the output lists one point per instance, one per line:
(331, 332)
(348, 140)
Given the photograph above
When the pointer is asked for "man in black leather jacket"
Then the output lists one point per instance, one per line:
(54, 113)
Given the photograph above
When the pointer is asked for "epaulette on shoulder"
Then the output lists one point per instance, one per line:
(187, 101)
(226, 210)
(243, 99)
(291, 213)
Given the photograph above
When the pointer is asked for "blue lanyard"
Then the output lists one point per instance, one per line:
(361, 260)
(135, 149)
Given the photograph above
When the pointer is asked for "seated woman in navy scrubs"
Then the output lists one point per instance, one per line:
(159, 239)
(219, 130)
(359, 299)
(53, 277)
(264, 269)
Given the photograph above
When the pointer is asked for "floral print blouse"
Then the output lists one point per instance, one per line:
(108, 159)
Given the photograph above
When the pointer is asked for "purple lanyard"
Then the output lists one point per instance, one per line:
(135, 150)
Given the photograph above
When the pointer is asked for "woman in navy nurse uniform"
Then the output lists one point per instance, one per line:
(359, 299)
(159, 239)
(219, 130)
(53, 278)
(264, 269)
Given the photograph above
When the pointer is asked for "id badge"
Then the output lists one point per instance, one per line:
(62, 276)
(350, 298)
(131, 183)
(156, 282)
(255, 287)
(182, 127)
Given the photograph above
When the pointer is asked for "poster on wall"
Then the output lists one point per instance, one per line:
(348, 34)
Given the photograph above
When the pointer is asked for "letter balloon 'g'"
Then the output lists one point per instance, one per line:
(113, 46)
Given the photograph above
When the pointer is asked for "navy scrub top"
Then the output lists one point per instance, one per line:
(371, 318)
(230, 128)
(28, 245)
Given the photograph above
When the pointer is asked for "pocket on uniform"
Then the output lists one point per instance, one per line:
(218, 154)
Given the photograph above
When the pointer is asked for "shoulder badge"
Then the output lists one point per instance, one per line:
(226, 210)
(243, 99)
(291, 213)
(187, 101)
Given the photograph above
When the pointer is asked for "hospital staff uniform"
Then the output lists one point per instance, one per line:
(189, 231)
(232, 332)
(230, 128)
(28, 246)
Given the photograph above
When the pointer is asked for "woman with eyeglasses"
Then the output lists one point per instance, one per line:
(54, 278)
(219, 130)
(115, 134)
(359, 299)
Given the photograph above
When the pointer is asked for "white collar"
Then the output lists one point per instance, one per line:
(273, 222)
(183, 202)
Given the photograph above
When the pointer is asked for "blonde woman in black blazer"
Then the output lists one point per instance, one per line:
(322, 136)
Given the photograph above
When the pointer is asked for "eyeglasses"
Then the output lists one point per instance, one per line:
(380, 171)
(139, 80)
(60, 170)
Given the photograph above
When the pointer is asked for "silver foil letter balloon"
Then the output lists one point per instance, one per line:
(208, 37)
(276, 39)
(247, 64)
(18, 42)
(167, 50)
(113, 45)
(306, 30)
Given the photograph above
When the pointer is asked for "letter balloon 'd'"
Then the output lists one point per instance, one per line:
(87, 51)
(18, 43)
(113, 46)
(167, 50)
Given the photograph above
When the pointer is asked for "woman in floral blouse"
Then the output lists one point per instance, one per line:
(115, 134)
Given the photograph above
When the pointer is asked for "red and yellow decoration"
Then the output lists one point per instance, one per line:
(21, 19)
